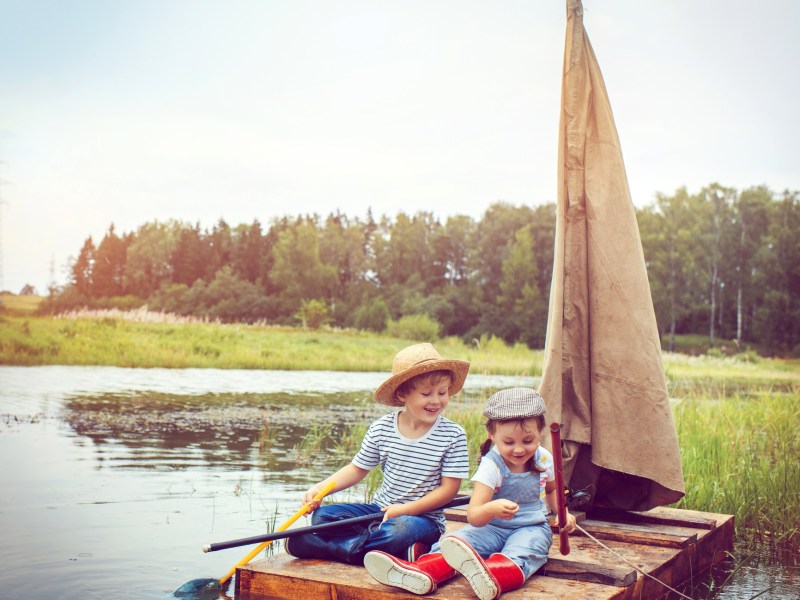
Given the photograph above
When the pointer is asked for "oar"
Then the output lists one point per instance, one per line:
(558, 467)
(204, 588)
(279, 534)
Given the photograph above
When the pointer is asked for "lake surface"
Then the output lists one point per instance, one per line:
(112, 480)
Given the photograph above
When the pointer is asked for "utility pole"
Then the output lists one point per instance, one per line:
(51, 285)
(2, 162)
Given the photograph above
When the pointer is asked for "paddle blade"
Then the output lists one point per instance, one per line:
(199, 589)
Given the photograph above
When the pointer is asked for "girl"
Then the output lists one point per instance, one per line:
(508, 536)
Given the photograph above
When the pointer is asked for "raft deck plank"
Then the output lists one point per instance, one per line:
(285, 577)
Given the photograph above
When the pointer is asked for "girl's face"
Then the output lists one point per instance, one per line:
(517, 442)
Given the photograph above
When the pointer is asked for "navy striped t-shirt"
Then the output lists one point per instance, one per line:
(413, 467)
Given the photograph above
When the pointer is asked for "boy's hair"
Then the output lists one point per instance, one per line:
(490, 427)
(430, 378)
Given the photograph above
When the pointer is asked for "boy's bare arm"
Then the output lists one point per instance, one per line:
(345, 477)
(430, 501)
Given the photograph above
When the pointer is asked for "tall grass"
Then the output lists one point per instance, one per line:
(741, 456)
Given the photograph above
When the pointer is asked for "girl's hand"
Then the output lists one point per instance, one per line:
(571, 523)
(503, 509)
(392, 511)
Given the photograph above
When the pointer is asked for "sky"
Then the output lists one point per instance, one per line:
(135, 111)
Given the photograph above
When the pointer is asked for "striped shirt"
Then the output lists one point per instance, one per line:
(413, 468)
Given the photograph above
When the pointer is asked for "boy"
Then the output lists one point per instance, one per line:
(423, 457)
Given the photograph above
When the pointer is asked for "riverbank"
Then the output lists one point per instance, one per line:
(181, 344)
(28, 340)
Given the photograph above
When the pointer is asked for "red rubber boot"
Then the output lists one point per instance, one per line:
(420, 577)
(489, 578)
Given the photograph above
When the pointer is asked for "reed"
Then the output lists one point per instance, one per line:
(313, 442)
(741, 456)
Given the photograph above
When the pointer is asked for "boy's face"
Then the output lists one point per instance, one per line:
(426, 401)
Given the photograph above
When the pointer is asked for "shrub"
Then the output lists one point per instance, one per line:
(313, 314)
(372, 316)
(415, 327)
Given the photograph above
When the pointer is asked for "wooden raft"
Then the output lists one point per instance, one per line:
(669, 544)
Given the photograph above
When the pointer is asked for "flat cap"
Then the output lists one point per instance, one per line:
(514, 403)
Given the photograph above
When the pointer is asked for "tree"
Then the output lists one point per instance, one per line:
(672, 245)
(343, 246)
(108, 275)
(747, 234)
(520, 300)
(149, 253)
(495, 233)
(81, 270)
(247, 252)
(405, 248)
(451, 246)
(190, 257)
(299, 273)
(777, 318)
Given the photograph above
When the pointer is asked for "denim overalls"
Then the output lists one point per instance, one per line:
(526, 538)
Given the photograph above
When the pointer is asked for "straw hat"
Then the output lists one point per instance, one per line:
(416, 360)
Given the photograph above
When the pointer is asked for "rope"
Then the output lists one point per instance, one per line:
(627, 562)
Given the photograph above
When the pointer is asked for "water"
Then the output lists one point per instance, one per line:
(112, 480)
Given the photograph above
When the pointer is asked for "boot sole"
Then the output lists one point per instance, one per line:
(386, 570)
(466, 561)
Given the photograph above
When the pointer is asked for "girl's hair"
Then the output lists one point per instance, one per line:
(487, 444)
(431, 378)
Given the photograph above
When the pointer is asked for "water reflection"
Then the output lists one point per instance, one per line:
(213, 430)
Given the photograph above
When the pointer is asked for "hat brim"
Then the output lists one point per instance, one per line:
(459, 368)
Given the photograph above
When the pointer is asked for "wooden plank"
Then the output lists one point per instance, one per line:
(636, 534)
(586, 571)
(284, 577)
(657, 515)
(711, 546)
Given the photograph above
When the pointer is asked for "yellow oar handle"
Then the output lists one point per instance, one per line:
(288, 523)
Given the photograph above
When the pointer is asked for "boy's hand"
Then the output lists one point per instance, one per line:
(308, 497)
(503, 509)
(392, 511)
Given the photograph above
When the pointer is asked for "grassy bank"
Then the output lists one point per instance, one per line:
(186, 344)
(148, 340)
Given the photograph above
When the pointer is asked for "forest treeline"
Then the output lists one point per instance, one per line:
(721, 262)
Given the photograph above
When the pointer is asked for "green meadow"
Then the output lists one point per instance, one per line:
(737, 416)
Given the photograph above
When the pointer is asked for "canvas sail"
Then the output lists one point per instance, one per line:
(603, 376)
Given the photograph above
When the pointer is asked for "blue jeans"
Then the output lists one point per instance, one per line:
(526, 546)
(393, 537)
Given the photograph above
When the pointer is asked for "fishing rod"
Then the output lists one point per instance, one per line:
(206, 587)
(268, 537)
(558, 467)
